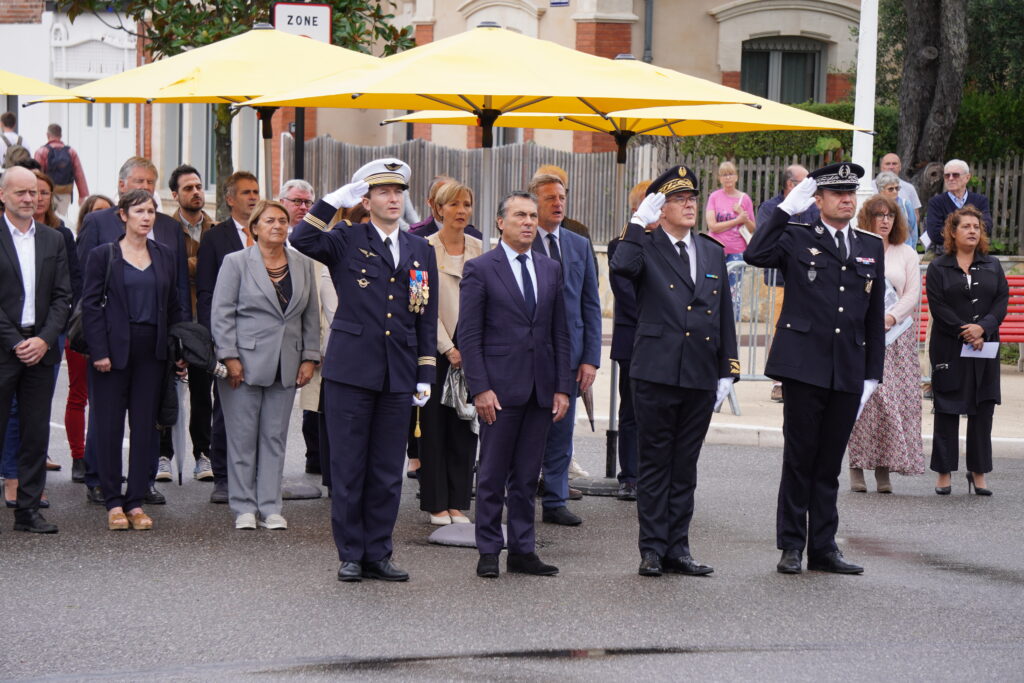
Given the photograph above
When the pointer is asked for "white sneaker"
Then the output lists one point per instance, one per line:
(274, 522)
(246, 520)
(440, 520)
(203, 470)
(576, 471)
(163, 470)
(460, 519)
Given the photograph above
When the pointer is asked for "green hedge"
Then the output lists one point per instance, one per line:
(989, 126)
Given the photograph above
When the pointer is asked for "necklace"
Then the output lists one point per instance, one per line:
(277, 273)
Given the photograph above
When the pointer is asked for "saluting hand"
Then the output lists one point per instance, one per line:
(649, 210)
(559, 406)
(487, 406)
(347, 196)
(800, 197)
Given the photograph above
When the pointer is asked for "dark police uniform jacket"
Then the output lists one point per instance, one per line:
(685, 334)
(831, 332)
(373, 331)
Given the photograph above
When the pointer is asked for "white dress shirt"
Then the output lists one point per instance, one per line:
(25, 245)
(691, 251)
(394, 242)
(832, 232)
(241, 232)
(513, 255)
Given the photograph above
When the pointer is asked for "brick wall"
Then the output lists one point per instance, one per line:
(281, 123)
(604, 40)
(837, 87)
(21, 11)
(424, 34)
(731, 79)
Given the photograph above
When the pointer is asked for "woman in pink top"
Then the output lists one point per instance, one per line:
(887, 436)
(728, 210)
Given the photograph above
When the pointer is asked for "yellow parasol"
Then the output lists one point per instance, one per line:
(16, 84)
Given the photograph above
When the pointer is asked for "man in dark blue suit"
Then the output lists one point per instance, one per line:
(684, 361)
(515, 353)
(955, 176)
(583, 319)
(104, 227)
(380, 355)
(241, 192)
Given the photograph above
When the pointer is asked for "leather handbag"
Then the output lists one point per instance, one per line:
(76, 330)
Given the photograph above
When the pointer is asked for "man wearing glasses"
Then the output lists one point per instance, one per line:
(684, 361)
(297, 196)
(955, 176)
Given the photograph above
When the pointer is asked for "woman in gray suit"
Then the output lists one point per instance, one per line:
(266, 327)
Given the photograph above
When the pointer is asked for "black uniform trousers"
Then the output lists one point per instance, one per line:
(447, 450)
(816, 426)
(367, 431)
(137, 389)
(946, 440)
(672, 423)
(33, 387)
(628, 444)
(311, 435)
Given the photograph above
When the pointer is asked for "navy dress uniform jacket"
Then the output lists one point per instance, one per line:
(101, 227)
(685, 335)
(831, 331)
(373, 330)
(624, 314)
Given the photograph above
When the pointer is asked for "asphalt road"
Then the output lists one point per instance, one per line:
(194, 599)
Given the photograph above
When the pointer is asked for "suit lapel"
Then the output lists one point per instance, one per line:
(506, 276)
(298, 274)
(664, 244)
(7, 243)
(828, 243)
(258, 273)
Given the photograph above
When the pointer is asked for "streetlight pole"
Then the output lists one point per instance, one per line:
(864, 104)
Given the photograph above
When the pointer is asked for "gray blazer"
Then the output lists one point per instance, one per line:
(248, 323)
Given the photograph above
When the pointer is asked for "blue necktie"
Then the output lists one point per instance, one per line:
(531, 298)
(553, 247)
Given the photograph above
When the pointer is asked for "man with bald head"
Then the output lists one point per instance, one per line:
(35, 302)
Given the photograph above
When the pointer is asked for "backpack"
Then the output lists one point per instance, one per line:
(15, 152)
(59, 166)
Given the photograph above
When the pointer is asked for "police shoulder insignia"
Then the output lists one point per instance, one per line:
(820, 230)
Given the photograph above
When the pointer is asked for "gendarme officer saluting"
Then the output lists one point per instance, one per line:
(828, 351)
(684, 361)
(380, 354)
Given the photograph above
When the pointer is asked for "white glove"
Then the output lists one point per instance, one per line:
(724, 387)
(649, 210)
(800, 197)
(422, 395)
(347, 196)
(869, 388)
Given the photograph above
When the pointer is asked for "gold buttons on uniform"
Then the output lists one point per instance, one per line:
(671, 286)
(689, 308)
(714, 291)
(387, 333)
(389, 315)
(391, 297)
(842, 289)
(787, 326)
(391, 280)
(840, 309)
(707, 338)
(837, 330)
(363, 270)
(709, 311)
(843, 268)
(687, 334)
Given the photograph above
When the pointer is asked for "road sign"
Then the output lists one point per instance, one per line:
(304, 19)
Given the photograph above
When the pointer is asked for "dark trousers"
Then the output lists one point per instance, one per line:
(627, 427)
(367, 433)
(558, 456)
(511, 451)
(218, 442)
(816, 427)
(135, 389)
(946, 441)
(311, 435)
(33, 388)
(200, 416)
(672, 423)
(447, 451)
(324, 441)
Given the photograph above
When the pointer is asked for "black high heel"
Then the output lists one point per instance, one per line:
(944, 490)
(978, 491)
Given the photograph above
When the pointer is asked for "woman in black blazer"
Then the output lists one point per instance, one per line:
(967, 297)
(126, 323)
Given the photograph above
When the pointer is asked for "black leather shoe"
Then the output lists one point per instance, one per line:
(154, 497)
(684, 564)
(350, 571)
(384, 570)
(791, 562)
(627, 491)
(561, 515)
(529, 563)
(220, 492)
(78, 470)
(35, 523)
(650, 564)
(576, 494)
(833, 562)
(487, 566)
(94, 494)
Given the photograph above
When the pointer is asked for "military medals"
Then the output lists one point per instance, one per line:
(362, 282)
(419, 290)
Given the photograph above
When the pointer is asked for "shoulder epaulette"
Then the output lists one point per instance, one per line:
(800, 225)
(711, 237)
(868, 232)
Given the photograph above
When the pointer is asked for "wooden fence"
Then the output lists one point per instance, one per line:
(593, 196)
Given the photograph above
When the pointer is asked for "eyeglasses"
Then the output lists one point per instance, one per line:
(300, 202)
(885, 216)
(951, 175)
(682, 199)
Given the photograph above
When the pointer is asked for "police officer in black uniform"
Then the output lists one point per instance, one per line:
(828, 351)
(684, 361)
